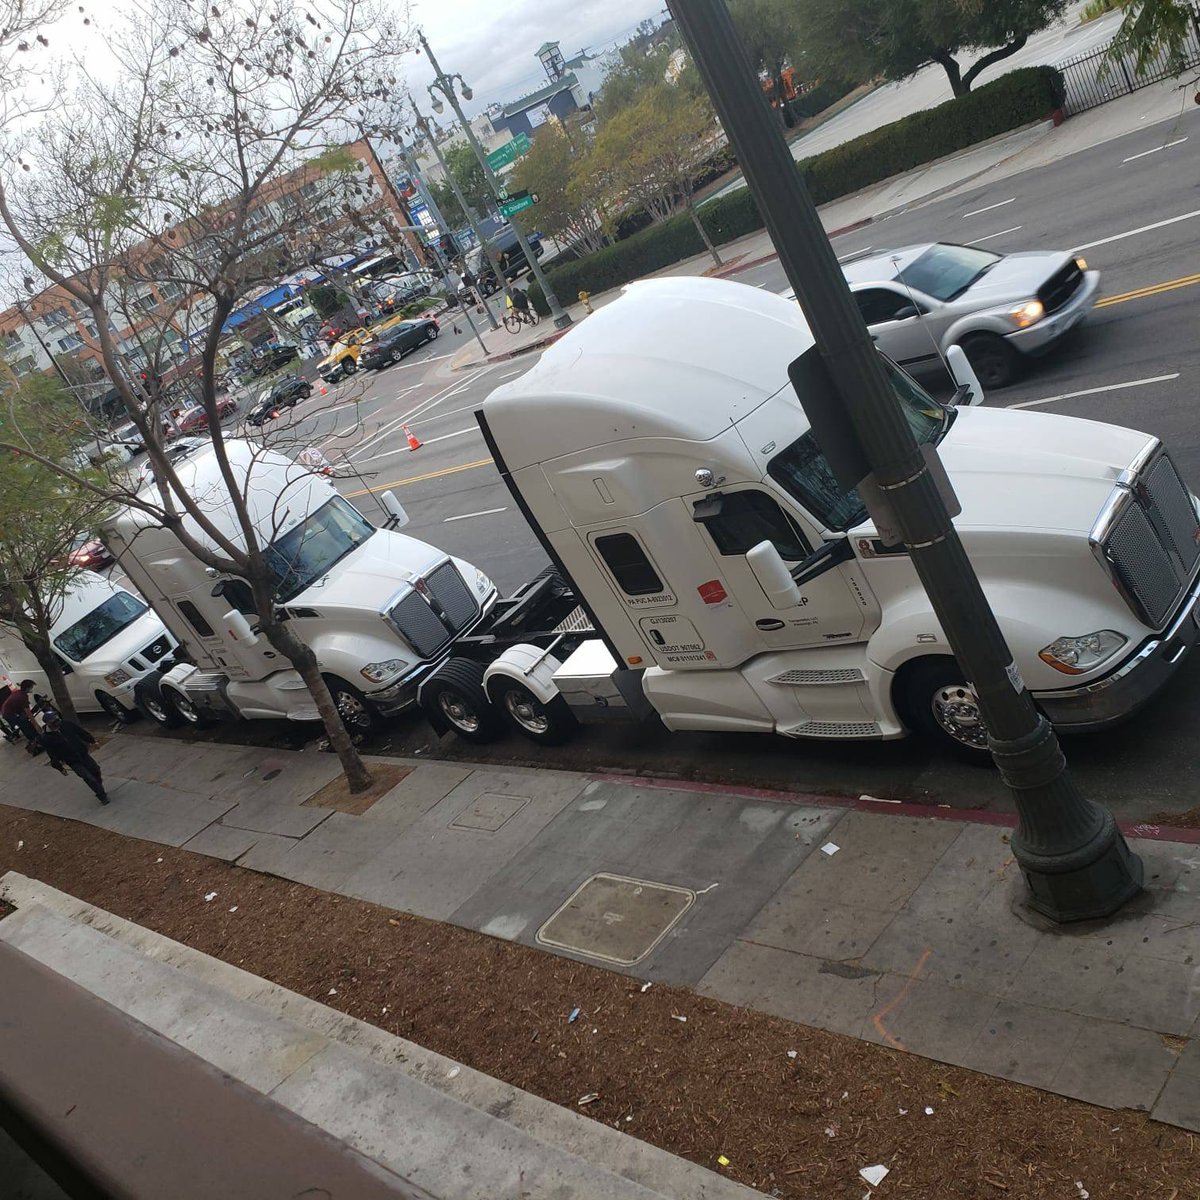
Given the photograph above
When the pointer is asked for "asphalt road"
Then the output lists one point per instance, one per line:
(1131, 205)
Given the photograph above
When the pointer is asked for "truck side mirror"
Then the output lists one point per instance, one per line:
(968, 388)
(397, 517)
(767, 566)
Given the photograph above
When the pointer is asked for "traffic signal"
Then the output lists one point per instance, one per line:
(448, 246)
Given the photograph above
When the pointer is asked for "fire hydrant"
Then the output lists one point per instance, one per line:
(583, 299)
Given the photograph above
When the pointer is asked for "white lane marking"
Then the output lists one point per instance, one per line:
(487, 512)
(420, 362)
(988, 237)
(424, 442)
(1155, 150)
(856, 254)
(976, 211)
(1111, 387)
(1116, 237)
(518, 371)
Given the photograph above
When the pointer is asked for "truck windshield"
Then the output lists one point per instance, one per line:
(946, 271)
(311, 549)
(101, 625)
(804, 473)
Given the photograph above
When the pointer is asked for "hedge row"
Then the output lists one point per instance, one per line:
(1012, 100)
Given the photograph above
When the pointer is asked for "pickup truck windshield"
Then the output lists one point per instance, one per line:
(311, 549)
(101, 625)
(803, 472)
(945, 272)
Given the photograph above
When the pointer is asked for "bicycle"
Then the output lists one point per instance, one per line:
(514, 318)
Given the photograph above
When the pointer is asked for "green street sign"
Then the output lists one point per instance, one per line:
(510, 208)
(509, 152)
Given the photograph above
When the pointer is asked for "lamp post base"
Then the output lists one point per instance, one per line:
(563, 321)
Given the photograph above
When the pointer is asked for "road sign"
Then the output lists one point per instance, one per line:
(510, 208)
(509, 152)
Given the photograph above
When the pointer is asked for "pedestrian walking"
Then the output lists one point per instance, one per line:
(69, 745)
(15, 710)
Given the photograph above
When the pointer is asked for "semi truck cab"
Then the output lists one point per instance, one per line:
(660, 453)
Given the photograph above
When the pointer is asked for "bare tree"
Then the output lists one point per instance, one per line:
(156, 203)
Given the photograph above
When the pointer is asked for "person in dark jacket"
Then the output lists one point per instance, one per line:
(15, 710)
(69, 745)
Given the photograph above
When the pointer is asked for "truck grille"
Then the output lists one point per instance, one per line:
(1152, 543)
(1060, 287)
(429, 624)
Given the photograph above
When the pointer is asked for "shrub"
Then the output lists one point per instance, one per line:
(1012, 100)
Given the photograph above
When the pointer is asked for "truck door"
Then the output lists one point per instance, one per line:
(732, 522)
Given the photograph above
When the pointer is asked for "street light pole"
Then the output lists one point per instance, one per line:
(1072, 855)
(468, 212)
(445, 85)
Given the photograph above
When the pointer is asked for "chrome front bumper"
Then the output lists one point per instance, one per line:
(1122, 692)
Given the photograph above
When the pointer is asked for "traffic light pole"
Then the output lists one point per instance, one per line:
(468, 212)
(560, 317)
(1072, 855)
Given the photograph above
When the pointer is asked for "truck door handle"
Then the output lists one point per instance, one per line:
(768, 624)
(657, 638)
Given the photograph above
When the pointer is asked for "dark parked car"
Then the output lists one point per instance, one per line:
(268, 358)
(285, 394)
(393, 344)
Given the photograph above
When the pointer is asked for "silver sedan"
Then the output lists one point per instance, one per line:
(1002, 309)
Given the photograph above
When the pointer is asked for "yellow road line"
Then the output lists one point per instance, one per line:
(1153, 289)
(382, 487)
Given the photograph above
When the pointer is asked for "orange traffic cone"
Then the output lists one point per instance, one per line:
(413, 442)
(324, 390)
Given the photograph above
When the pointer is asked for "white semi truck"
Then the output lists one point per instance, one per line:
(380, 609)
(712, 571)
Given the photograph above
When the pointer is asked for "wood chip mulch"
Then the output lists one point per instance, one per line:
(720, 1085)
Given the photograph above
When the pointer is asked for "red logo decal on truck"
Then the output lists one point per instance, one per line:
(713, 592)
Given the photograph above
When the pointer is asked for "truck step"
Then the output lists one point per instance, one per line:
(833, 729)
(806, 676)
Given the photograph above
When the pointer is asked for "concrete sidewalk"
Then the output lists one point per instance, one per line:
(886, 922)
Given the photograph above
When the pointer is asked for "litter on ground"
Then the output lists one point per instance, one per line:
(589, 1098)
(830, 848)
(574, 1016)
(874, 1175)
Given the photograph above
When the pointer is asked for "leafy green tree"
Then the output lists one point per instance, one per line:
(1154, 29)
(568, 210)
(771, 33)
(41, 514)
(862, 39)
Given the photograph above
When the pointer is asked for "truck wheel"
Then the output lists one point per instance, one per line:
(353, 707)
(116, 709)
(189, 714)
(155, 706)
(936, 701)
(992, 359)
(549, 724)
(350, 366)
(456, 696)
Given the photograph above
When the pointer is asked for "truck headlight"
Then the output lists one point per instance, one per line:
(380, 672)
(117, 677)
(1027, 314)
(1081, 263)
(1077, 655)
(483, 584)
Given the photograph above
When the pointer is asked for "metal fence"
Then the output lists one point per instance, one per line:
(1093, 79)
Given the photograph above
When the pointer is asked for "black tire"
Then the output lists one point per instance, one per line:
(432, 333)
(548, 724)
(350, 366)
(455, 697)
(306, 393)
(116, 709)
(357, 712)
(156, 707)
(935, 702)
(992, 359)
(189, 714)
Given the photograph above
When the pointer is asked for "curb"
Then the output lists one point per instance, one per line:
(505, 355)
(899, 808)
(738, 267)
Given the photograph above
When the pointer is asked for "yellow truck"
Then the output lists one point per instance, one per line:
(342, 360)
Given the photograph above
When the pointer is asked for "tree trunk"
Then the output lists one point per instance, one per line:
(305, 661)
(703, 233)
(1005, 51)
(58, 684)
(950, 66)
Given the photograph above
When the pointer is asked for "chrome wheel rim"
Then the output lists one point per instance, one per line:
(458, 712)
(956, 710)
(351, 709)
(526, 711)
(111, 706)
(187, 710)
(156, 710)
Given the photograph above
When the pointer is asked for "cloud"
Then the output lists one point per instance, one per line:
(491, 43)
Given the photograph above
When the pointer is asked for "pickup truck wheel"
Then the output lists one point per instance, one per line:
(116, 709)
(457, 697)
(992, 359)
(350, 366)
(936, 701)
(549, 724)
(353, 707)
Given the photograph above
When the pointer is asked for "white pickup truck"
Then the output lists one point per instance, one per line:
(380, 609)
(726, 582)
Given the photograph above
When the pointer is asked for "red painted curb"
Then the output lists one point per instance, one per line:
(540, 344)
(738, 267)
(901, 808)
